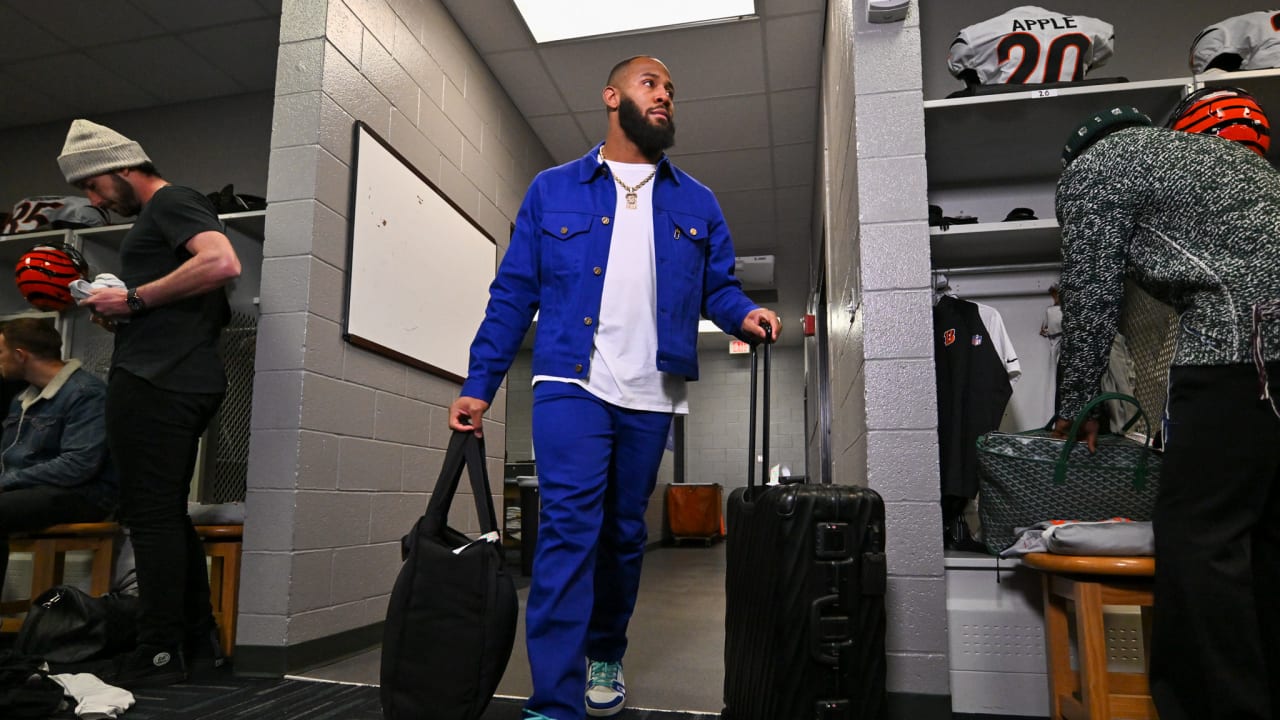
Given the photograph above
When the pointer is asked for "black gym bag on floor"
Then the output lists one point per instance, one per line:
(451, 620)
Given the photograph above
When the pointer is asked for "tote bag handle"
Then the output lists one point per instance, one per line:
(466, 451)
(1140, 472)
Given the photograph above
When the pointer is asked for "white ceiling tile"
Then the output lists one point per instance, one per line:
(491, 25)
(774, 8)
(705, 61)
(252, 63)
(522, 75)
(38, 107)
(794, 45)
(793, 164)
(595, 123)
(24, 39)
(747, 206)
(753, 238)
(729, 170)
(85, 24)
(795, 204)
(183, 75)
(795, 116)
(561, 135)
(81, 84)
(178, 16)
(726, 123)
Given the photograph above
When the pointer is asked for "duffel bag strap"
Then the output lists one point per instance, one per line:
(1140, 472)
(466, 451)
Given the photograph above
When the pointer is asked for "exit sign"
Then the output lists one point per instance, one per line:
(737, 347)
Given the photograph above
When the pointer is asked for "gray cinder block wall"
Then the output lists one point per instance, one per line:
(347, 444)
(883, 399)
(716, 431)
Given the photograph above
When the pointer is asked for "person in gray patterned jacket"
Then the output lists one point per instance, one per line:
(1195, 221)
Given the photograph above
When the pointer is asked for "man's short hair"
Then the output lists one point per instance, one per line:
(617, 69)
(146, 168)
(36, 336)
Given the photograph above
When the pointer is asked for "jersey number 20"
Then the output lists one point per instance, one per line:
(1052, 56)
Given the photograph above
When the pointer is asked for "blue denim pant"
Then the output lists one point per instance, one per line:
(597, 467)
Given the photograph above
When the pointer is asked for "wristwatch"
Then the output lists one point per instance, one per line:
(134, 301)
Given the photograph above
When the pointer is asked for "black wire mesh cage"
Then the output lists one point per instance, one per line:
(1150, 330)
(222, 468)
(227, 442)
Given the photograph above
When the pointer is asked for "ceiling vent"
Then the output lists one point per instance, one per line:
(755, 271)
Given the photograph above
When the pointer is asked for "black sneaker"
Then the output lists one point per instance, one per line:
(203, 649)
(150, 666)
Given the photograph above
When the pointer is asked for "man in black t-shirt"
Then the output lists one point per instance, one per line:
(166, 383)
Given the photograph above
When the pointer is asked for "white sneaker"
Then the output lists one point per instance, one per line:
(606, 690)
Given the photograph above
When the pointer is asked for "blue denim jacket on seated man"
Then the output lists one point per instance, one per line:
(562, 236)
(57, 436)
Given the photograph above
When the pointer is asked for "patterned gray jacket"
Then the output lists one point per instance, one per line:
(1194, 220)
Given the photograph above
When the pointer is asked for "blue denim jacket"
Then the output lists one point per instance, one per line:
(60, 438)
(556, 264)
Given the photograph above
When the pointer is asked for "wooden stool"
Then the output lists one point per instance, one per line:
(49, 548)
(1093, 693)
(222, 546)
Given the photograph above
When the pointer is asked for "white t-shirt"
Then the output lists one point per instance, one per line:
(624, 361)
(1254, 36)
(1000, 340)
(1029, 44)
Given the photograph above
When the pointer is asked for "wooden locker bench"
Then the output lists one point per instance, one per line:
(49, 548)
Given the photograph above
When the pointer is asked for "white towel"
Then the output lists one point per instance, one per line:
(95, 700)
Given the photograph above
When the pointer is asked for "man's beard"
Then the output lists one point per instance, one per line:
(126, 203)
(650, 138)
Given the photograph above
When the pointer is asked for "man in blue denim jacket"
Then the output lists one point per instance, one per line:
(619, 252)
(53, 459)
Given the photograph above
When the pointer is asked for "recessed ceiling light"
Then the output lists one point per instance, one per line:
(552, 20)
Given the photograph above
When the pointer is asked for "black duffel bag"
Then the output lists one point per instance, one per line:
(66, 625)
(451, 620)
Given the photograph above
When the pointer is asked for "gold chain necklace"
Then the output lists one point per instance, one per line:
(631, 191)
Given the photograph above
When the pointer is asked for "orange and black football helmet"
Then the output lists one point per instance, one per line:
(1227, 112)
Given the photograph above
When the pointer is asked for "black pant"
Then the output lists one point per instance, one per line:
(1216, 637)
(153, 435)
(36, 508)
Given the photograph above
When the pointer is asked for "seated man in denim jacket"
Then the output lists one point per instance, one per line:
(53, 455)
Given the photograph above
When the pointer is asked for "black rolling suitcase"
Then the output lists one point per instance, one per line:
(805, 616)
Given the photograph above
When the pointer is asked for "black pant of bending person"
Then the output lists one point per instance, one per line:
(1216, 635)
(36, 508)
(154, 435)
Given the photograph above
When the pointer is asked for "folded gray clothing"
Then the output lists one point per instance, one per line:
(1105, 537)
(1109, 537)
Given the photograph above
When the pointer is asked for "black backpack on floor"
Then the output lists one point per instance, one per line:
(451, 619)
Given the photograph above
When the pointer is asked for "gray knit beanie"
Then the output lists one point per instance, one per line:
(92, 149)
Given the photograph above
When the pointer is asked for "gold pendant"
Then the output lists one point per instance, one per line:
(631, 201)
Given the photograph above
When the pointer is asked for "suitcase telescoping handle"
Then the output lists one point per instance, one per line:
(756, 349)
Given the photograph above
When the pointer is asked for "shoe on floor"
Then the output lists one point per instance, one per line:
(606, 690)
(149, 666)
(203, 649)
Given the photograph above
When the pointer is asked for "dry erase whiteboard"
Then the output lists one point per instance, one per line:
(420, 268)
